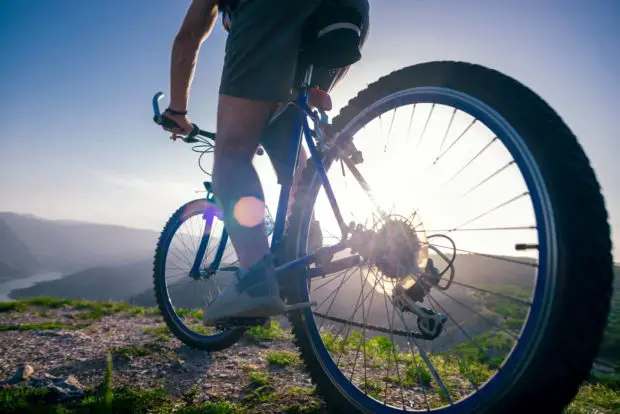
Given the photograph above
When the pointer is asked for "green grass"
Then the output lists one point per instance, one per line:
(593, 397)
(311, 407)
(301, 391)
(159, 332)
(36, 326)
(372, 388)
(282, 358)
(136, 351)
(273, 332)
(93, 309)
(212, 408)
(193, 313)
(259, 378)
(12, 306)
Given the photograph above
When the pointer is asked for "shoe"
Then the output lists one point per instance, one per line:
(254, 294)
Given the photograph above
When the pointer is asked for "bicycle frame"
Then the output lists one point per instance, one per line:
(300, 127)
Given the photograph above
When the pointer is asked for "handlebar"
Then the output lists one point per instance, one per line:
(169, 123)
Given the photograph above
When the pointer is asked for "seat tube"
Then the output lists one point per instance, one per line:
(291, 164)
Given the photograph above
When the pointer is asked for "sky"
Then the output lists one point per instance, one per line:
(76, 77)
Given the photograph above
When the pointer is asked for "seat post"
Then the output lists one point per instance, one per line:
(307, 76)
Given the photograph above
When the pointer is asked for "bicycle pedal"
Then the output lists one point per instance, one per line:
(297, 306)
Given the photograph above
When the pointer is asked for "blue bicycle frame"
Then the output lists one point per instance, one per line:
(300, 127)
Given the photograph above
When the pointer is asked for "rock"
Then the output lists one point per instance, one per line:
(21, 374)
(72, 380)
(62, 389)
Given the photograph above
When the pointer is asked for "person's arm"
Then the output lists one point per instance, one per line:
(196, 27)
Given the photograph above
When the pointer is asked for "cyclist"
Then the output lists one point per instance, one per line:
(260, 67)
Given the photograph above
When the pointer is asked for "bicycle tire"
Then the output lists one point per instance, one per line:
(202, 342)
(562, 357)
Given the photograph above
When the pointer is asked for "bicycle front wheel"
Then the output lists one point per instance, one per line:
(192, 249)
(455, 153)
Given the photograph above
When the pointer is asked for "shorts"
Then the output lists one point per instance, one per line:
(262, 49)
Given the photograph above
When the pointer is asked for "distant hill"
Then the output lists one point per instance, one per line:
(8, 273)
(97, 283)
(15, 257)
(71, 246)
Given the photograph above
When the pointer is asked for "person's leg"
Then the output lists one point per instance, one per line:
(261, 56)
(276, 136)
(235, 182)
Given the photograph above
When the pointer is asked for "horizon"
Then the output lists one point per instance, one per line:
(84, 90)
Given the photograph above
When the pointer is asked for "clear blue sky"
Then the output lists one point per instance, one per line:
(77, 76)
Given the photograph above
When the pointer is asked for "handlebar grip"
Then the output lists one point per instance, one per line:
(167, 122)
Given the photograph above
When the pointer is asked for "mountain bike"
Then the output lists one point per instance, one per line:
(495, 302)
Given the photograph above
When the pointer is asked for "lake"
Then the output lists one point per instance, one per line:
(7, 287)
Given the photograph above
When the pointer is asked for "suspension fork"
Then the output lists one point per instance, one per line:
(208, 216)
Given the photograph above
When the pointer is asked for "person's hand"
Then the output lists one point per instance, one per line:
(183, 122)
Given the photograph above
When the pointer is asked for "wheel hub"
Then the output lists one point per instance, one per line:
(395, 247)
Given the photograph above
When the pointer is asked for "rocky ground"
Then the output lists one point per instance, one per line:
(64, 350)
(70, 354)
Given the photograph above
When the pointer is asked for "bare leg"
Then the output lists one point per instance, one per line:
(236, 185)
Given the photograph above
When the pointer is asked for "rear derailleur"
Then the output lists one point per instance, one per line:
(430, 323)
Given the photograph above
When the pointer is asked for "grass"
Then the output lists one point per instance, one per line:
(259, 379)
(159, 332)
(93, 309)
(282, 358)
(372, 388)
(135, 351)
(593, 397)
(38, 326)
(273, 332)
(312, 407)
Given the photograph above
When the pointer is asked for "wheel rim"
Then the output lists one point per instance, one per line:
(544, 282)
(181, 248)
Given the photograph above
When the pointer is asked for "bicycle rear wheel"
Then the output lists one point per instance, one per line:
(194, 233)
(513, 341)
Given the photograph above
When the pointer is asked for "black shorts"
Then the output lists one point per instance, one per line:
(262, 49)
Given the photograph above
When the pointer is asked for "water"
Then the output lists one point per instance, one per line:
(7, 287)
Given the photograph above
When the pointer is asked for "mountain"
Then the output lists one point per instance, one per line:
(71, 246)
(15, 257)
(8, 273)
(96, 283)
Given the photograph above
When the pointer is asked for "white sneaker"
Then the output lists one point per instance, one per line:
(256, 294)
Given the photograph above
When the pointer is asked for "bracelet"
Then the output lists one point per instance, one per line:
(173, 112)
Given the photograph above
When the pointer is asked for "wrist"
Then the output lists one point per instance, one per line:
(176, 111)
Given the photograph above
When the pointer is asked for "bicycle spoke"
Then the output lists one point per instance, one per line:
(391, 324)
(443, 141)
(441, 155)
(494, 139)
(390, 130)
(425, 126)
(505, 203)
(333, 277)
(501, 295)
(508, 228)
(182, 257)
(458, 325)
(411, 348)
(487, 179)
(490, 256)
